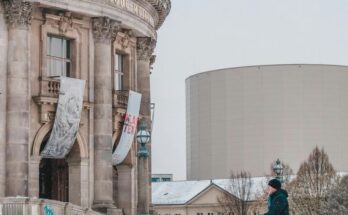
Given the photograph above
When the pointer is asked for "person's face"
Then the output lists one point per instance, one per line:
(270, 189)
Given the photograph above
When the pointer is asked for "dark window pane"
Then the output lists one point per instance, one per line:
(68, 69)
(68, 52)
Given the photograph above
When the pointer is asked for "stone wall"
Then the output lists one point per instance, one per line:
(3, 85)
(33, 206)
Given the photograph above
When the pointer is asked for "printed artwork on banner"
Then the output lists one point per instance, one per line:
(67, 120)
(129, 128)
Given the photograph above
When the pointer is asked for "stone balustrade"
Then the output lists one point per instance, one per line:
(120, 99)
(50, 87)
(33, 206)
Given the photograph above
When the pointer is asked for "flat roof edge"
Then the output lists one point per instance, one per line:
(263, 65)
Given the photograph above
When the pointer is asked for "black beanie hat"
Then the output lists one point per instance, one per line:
(275, 183)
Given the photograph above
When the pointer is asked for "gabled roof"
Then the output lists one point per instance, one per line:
(257, 187)
(181, 192)
(176, 192)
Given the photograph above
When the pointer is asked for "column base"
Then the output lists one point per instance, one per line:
(107, 208)
(114, 211)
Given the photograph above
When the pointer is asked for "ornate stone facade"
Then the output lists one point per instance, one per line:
(145, 48)
(105, 29)
(18, 13)
(108, 43)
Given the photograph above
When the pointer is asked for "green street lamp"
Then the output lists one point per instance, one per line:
(143, 137)
(278, 169)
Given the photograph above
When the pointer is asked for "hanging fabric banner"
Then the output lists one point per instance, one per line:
(129, 128)
(67, 120)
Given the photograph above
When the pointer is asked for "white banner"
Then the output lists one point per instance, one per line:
(67, 120)
(129, 128)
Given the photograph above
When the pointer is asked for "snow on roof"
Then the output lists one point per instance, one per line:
(176, 192)
(180, 192)
(258, 185)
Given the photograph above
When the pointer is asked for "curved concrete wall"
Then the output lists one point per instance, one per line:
(245, 118)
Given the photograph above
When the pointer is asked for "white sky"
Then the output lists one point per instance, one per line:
(201, 35)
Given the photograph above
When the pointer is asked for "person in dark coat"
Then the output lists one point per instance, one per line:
(277, 199)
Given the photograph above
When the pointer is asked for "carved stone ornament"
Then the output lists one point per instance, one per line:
(152, 60)
(18, 13)
(65, 22)
(145, 48)
(125, 40)
(105, 29)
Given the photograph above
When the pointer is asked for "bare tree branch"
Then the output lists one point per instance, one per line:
(237, 199)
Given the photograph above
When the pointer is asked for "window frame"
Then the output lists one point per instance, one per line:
(68, 60)
(119, 71)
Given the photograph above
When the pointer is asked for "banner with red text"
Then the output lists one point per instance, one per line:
(129, 128)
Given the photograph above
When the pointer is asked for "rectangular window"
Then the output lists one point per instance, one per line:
(155, 179)
(118, 72)
(58, 56)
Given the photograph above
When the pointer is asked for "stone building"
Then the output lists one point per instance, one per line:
(107, 43)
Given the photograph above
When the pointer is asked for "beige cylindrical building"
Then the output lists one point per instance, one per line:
(245, 118)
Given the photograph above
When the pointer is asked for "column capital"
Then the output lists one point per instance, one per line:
(105, 29)
(152, 59)
(145, 47)
(18, 13)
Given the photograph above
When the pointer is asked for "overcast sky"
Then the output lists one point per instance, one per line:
(201, 35)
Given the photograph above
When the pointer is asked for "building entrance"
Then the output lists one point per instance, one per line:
(54, 179)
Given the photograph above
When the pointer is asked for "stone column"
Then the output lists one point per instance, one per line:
(126, 193)
(3, 80)
(18, 15)
(84, 182)
(104, 31)
(145, 48)
(34, 180)
(75, 180)
(144, 186)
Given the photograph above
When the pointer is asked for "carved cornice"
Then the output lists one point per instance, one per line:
(145, 48)
(18, 13)
(105, 29)
(163, 8)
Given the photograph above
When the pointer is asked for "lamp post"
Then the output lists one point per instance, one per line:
(278, 169)
(143, 137)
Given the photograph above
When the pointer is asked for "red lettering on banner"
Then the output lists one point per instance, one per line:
(130, 123)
